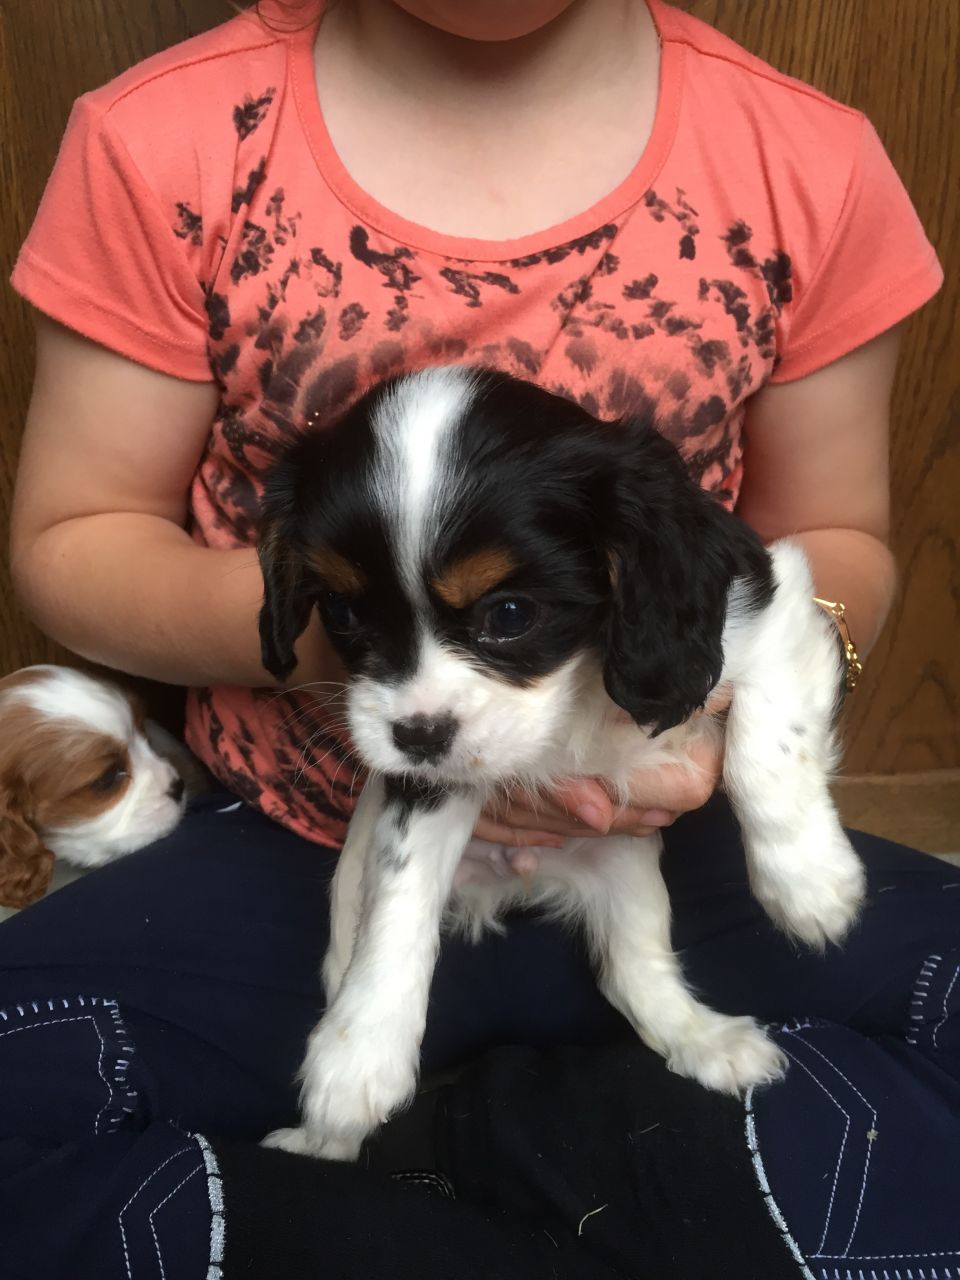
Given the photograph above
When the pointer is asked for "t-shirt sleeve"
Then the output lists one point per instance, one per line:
(877, 268)
(102, 259)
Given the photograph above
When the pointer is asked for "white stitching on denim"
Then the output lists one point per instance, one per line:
(149, 1178)
(422, 1177)
(836, 1172)
(157, 1208)
(946, 1014)
(218, 1225)
(873, 1125)
(920, 990)
(761, 1175)
(885, 1257)
(796, 1024)
(119, 1083)
(121, 1065)
(81, 1017)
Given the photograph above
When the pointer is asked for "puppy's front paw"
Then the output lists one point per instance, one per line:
(353, 1078)
(304, 1142)
(812, 886)
(726, 1053)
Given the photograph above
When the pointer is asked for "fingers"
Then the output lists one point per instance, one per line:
(517, 827)
(497, 832)
(586, 800)
(627, 823)
(583, 807)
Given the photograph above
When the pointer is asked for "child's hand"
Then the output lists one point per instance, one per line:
(584, 807)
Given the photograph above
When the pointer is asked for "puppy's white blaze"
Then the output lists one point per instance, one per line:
(414, 426)
(68, 695)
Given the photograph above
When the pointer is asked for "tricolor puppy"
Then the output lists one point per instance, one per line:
(521, 593)
(78, 778)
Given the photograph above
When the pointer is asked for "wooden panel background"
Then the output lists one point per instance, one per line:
(898, 62)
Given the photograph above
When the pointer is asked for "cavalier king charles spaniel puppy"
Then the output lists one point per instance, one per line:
(78, 778)
(521, 593)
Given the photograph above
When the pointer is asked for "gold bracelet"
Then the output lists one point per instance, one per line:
(854, 667)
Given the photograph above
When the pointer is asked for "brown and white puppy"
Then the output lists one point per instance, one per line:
(78, 778)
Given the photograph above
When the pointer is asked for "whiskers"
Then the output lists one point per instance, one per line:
(329, 728)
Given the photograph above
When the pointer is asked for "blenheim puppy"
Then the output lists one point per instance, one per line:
(78, 778)
(521, 593)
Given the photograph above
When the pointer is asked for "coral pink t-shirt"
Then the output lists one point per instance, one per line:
(199, 221)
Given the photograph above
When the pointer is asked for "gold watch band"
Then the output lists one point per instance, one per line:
(854, 667)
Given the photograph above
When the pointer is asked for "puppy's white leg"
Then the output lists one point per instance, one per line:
(362, 1059)
(779, 751)
(627, 916)
(346, 889)
(802, 868)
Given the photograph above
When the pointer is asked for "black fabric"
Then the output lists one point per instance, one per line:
(292, 1218)
(564, 1163)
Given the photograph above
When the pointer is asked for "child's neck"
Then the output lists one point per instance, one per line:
(591, 40)
(488, 139)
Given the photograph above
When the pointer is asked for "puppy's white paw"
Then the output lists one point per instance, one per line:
(304, 1142)
(726, 1053)
(353, 1077)
(813, 886)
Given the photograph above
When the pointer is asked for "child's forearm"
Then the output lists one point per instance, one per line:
(856, 569)
(136, 593)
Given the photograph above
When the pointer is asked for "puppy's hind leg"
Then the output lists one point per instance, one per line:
(779, 751)
(627, 917)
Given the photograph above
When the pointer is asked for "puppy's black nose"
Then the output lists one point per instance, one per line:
(425, 738)
(175, 791)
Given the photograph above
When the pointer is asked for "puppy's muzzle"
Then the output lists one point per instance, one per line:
(425, 739)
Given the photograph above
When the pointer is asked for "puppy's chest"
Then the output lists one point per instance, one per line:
(615, 755)
(615, 750)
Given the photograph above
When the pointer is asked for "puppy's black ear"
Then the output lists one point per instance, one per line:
(287, 600)
(674, 553)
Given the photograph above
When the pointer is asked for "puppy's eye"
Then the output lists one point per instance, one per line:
(110, 778)
(338, 612)
(510, 619)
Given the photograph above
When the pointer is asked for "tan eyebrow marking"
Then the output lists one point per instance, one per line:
(468, 579)
(336, 571)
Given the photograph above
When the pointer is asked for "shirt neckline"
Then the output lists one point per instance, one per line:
(377, 216)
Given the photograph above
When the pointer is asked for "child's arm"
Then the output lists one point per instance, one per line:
(99, 553)
(816, 467)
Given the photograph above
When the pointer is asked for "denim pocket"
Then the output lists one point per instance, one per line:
(68, 1069)
(857, 1148)
(933, 1020)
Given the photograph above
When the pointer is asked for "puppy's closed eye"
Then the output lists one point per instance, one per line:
(110, 778)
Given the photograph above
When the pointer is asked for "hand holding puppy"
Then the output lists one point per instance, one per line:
(584, 806)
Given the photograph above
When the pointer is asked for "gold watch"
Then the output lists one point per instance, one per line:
(854, 667)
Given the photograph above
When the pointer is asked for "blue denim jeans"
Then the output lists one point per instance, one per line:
(162, 1003)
